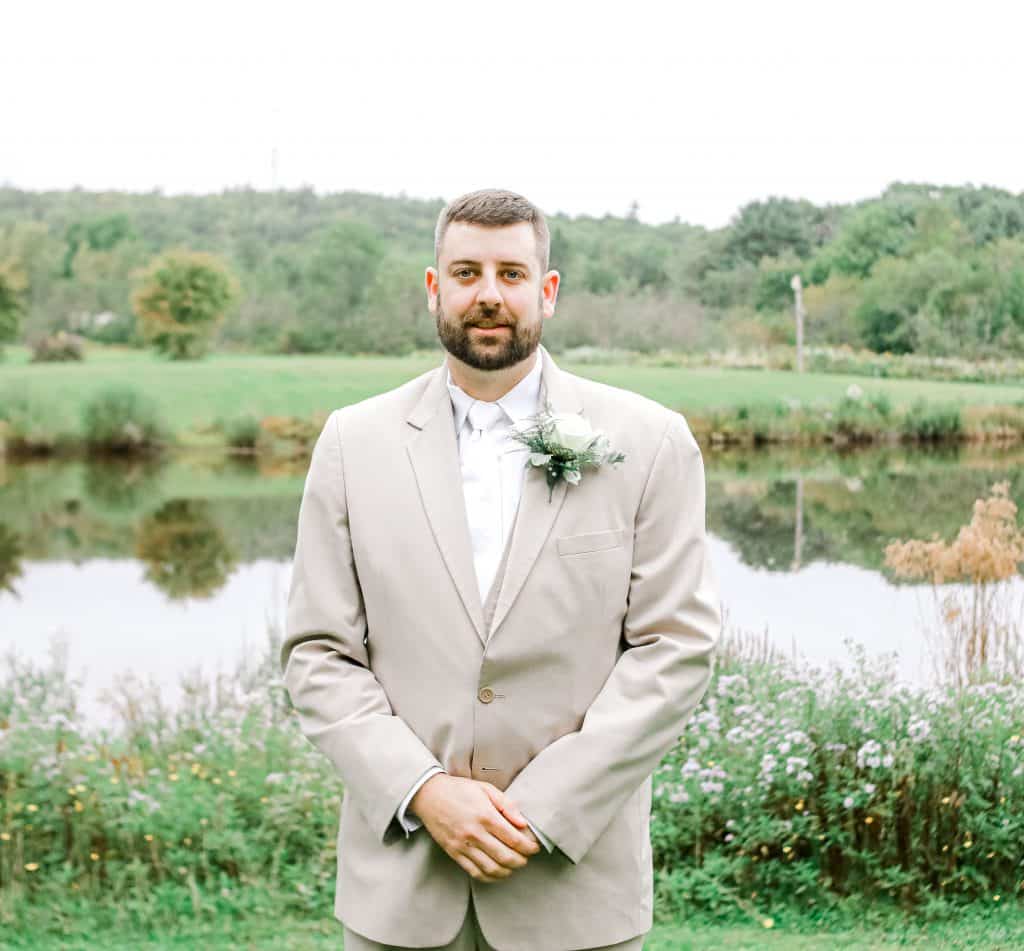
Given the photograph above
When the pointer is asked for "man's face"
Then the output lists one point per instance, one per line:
(488, 296)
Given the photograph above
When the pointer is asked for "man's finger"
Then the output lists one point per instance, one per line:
(471, 868)
(486, 863)
(506, 806)
(506, 855)
(502, 829)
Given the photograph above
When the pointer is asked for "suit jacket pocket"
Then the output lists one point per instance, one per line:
(590, 541)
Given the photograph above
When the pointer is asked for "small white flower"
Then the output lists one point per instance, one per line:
(870, 788)
(848, 802)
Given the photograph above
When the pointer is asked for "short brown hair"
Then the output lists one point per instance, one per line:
(494, 207)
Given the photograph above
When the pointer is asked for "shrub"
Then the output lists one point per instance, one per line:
(928, 423)
(242, 432)
(31, 426)
(59, 347)
(121, 419)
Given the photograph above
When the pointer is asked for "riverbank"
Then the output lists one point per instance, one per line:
(275, 405)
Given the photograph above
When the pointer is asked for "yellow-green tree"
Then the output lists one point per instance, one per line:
(12, 289)
(182, 298)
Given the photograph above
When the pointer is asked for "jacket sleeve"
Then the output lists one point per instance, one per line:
(575, 786)
(342, 708)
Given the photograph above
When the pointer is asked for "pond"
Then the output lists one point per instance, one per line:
(164, 569)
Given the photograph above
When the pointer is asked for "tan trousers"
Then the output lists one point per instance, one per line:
(470, 938)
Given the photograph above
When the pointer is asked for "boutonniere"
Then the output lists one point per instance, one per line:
(563, 443)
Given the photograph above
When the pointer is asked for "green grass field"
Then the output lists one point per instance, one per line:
(196, 393)
(990, 931)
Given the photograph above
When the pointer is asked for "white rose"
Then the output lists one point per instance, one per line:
(573, 431)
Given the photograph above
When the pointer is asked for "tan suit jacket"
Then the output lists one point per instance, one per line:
(599, 648)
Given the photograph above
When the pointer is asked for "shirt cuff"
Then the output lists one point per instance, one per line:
(412, 823)
(543, 839)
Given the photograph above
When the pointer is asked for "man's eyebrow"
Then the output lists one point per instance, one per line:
(519, 264)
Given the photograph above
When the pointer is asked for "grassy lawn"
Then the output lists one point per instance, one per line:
(230, 385)
(974, 931)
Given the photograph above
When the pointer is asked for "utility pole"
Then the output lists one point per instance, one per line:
(798, 294)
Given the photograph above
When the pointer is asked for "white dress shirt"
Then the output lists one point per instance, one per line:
(493, 467)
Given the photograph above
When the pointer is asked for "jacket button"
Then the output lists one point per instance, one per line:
(486, 695)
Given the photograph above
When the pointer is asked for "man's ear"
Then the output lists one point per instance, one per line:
(549, 291)
(432, 284)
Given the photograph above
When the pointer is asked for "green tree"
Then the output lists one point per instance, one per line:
(336, 284)
(874, 231)
(182, 298)
(773, 228)
(13, 285)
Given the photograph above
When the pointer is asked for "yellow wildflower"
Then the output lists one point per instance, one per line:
(31, 866)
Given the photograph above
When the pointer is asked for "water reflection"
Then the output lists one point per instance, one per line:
(185, 552)
(180, 558)
(10, 559)
(114, 486)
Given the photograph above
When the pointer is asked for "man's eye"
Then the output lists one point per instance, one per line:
(463, 272)
(516, 273)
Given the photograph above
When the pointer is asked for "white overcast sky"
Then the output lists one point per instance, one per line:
(691, 109)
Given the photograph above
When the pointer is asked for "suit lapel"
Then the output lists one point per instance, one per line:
(434, 453)
(536, 514)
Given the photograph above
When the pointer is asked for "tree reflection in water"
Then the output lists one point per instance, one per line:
(10, 559)
(184, 549)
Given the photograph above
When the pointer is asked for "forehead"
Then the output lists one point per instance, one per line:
(464, 241)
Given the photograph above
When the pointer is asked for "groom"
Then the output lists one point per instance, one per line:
(495, 674)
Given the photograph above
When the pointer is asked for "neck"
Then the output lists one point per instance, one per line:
(489, 385)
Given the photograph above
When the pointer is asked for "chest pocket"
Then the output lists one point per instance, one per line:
(590, 541)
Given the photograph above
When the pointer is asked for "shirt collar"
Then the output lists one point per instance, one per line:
(518, 403)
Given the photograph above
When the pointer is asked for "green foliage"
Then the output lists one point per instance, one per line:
(31, 424)
(773, 228)
(242, 432)
(926, 422)
(119, 418)
(871, 232)
(13, 285)
(920, 269)
(790, 790)
(811, 784)
(774, 289)
(182, 298)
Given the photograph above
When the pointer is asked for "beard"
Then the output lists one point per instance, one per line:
(488, 353)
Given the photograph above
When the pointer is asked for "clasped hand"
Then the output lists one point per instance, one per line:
(479, 827)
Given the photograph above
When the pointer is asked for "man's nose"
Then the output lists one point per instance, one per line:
(489, 295)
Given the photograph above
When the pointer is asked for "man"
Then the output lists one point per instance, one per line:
(491, 662)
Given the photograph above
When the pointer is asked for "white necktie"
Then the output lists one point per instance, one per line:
(481, 484)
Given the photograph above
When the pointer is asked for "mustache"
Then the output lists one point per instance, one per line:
(487, 324)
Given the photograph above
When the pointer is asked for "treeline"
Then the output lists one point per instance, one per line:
(932, 270)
